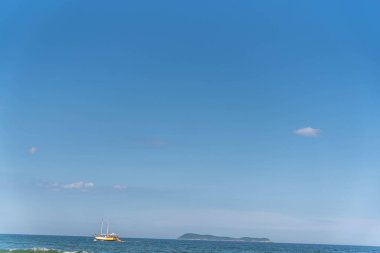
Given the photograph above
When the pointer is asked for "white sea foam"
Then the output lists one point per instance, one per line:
(46, 250)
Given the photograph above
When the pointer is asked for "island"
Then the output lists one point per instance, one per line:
(192, 236)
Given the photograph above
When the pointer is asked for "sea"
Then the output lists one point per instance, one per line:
(79, 244)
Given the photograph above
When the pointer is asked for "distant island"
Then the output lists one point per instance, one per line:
(191, 236)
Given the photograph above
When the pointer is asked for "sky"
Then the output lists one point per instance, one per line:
(233, 118)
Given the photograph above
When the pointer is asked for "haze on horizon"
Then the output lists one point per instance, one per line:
(232, 118)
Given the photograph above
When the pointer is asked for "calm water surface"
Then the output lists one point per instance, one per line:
(62, 244)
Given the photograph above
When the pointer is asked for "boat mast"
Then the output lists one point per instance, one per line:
(107, 226)
(101, 228)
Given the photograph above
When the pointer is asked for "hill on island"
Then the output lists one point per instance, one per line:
(192, 236)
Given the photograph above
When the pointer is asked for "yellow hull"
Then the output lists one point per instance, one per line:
(103, 238)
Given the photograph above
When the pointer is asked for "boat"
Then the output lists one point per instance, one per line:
(107, 237)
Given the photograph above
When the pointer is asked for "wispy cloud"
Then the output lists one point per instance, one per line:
(33, 150)
(120, 187)
(85, 186)
(307, 132)
(79, 185)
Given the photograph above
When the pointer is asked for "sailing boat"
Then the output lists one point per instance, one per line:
(106, 237)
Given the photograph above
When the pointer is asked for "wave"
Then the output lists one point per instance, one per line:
(39, 250)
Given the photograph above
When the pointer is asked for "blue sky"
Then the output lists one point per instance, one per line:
(236, 118)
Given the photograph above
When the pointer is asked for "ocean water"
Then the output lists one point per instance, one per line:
(77, 244)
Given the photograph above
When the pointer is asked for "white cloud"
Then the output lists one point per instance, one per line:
(33, 150)
(307, 131)
(79, 185)
(119, 187)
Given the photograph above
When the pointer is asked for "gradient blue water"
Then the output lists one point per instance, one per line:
(60, 244)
